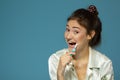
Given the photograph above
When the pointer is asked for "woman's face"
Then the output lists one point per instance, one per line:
(76, 34)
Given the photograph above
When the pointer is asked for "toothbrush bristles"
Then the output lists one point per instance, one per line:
(73, 50)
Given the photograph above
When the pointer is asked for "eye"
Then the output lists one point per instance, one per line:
(76, 32)
(67, 29)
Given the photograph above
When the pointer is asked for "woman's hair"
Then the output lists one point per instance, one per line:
(89, 19)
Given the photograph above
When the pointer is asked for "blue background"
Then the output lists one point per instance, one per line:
(31, 30)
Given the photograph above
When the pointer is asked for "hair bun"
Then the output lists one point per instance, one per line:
(93, 9)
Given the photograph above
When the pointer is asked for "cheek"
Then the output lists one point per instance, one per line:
(82, 41)
(81, 38)
(65, 35)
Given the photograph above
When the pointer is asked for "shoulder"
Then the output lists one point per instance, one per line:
(99, 55)
(99, 59)
(104, 63)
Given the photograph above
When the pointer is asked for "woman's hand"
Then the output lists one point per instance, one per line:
(64, 60)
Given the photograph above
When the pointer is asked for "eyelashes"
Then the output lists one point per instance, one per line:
(67, 29)
(74, 31)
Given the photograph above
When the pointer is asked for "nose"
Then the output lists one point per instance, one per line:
(69, 35)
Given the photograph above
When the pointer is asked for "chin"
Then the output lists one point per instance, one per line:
(69, 48)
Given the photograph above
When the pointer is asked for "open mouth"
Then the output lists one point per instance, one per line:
(71, 44)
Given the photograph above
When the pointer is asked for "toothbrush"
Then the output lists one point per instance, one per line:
(73, 50)
(71, 54)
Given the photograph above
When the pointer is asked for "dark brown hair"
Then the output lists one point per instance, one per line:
(89, 19)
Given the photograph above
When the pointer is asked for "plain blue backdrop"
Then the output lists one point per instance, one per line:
(31, 30)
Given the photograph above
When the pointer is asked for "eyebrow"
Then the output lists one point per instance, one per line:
(73, 27)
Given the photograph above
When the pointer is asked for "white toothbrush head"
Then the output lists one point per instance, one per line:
(74, 49)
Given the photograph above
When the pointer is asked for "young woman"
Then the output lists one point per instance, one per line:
(80, 61)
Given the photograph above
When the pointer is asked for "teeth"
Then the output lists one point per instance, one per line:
(72, 43)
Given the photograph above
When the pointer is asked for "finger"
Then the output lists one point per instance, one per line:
(66, 59)
(69, 54)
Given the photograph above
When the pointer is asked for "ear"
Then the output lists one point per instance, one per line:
(91, 35)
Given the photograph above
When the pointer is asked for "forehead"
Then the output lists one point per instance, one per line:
(74, 24)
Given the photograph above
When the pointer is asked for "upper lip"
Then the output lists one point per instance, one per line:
(71, 43)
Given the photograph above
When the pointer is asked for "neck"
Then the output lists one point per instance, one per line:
(82, 54)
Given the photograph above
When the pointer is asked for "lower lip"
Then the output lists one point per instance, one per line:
(71, 46)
